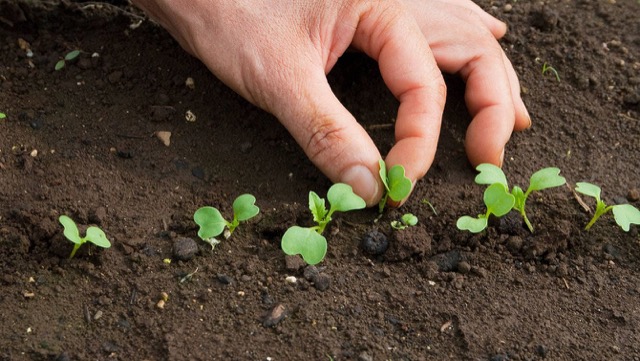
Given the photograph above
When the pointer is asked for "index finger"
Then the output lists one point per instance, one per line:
(389, 34)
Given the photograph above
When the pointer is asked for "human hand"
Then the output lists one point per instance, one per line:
(276, 55)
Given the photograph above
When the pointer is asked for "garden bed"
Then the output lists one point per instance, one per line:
(82, 141)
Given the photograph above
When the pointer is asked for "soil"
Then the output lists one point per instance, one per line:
(81, 141)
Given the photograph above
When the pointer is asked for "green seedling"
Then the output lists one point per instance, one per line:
(624, 214)
(433, 209)
(498, 201)
(212, 224)
(546, 67)
(68, 57)
(542, 179)
(309, 241)
(94, 235)
(397, 186)
(407, 220)
(3, 115)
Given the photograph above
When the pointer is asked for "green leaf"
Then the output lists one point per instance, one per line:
(60, 64)
(518, 195)
(72, 55)
(409, 219)
(588, 189)
(490, 174)
(317, 207)
(210, 221)
(342, 198)
(96, 236)
(498, 200)
(546, 178)
(473, 225)
(383, 173)
(625, 215)
(70, 229)
(3, 115)
(305, 242)
(399, 184)
(244, 207)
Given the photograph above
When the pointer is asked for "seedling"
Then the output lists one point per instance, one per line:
(624, 214)
(498, 201)
(309, 241)
(542, 179)
(68, 57)
(397, 186)
(94, 235)
(212, 224)
(546, 67)
(3, 115)
(407, 220)
(433, 209)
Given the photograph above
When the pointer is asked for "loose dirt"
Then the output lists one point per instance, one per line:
(83, 141)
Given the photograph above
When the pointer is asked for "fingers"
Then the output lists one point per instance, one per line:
(523, 119)
(495, 26)
(492, 92)
(330, 136)
(389, 34)
(493, 99)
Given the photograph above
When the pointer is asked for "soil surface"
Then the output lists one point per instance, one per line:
(82, 141)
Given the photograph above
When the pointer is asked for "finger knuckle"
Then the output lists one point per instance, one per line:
(325, 139)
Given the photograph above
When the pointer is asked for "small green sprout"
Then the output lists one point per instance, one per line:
(68, 57)
(498, 201)
(94, 235)
(542, 179)
(397, 186)
(3, 115)
(546, 67)
(433, 209)
(624, 214)
(309, 241)
(212, 224)
(407, 220)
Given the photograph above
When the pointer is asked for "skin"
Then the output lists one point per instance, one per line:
(276, 54)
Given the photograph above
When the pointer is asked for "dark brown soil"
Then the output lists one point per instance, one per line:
(80, 141)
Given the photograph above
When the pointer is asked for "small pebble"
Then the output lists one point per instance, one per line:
(160, 304)
(508, 7)
(633, 195)
(189, 116)
(184, 248)
(310, 273)
(164, 137)
(277, 314)
(189, 83)
(374, 243)
(322, 282)
(291, 279)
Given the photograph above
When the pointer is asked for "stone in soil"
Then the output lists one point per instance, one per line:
(374, 243)
(184, 249)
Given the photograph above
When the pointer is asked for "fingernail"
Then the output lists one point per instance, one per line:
(502, 158)
(528, 117)
(363, 182)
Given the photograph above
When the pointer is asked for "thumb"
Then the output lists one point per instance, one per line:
(330, 136)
